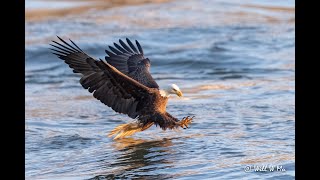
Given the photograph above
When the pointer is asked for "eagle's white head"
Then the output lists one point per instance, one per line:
(171, 89)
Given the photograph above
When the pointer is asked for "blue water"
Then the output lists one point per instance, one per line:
(233, 60)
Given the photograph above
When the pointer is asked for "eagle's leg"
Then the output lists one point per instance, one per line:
(185, 122)
(129, 129)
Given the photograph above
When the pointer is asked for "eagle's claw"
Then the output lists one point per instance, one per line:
(185, 121)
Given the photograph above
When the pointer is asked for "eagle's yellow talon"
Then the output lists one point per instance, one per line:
(185, 121)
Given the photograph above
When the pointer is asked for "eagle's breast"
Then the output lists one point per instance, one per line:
(161, 103)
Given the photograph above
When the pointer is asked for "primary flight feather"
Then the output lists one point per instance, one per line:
(123, 82)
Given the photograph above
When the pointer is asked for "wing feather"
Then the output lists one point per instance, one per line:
(120, 48)
(132, 46)
(139, 47)
(109, 85)
(110, 53)
(125, 46)
(129, 59)
(115, 50)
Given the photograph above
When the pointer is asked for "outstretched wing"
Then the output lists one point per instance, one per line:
(130, 60)
(107, 84)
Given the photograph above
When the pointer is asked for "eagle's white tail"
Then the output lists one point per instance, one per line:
(128, 129)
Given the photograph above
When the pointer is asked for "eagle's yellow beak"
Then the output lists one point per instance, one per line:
(179, 93)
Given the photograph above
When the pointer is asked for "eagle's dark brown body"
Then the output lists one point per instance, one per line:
(122, 82)
(157, 111)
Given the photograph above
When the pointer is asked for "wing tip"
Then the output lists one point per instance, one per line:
(139, 47)
(59, 38)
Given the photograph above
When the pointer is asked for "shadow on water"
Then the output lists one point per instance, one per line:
(139, 158)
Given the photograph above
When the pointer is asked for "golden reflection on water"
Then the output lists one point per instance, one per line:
(44, 13)
(141, 155)
(131, 142)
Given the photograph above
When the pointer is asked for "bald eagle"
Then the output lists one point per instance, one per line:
(123, 82)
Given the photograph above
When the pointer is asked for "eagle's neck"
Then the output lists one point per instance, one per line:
(164, 93)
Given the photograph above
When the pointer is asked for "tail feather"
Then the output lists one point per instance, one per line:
(128, 129)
